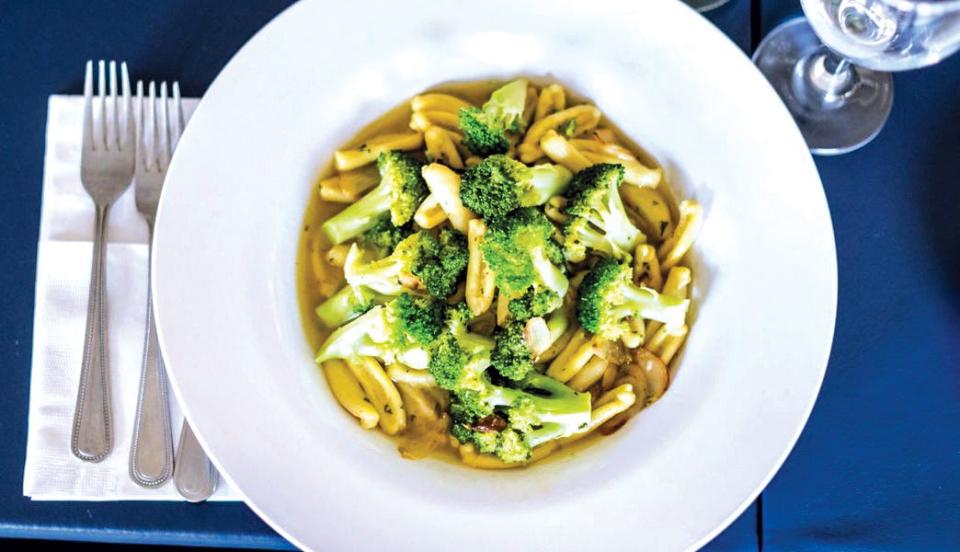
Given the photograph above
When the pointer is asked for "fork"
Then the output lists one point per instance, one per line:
(106, 168)
(151, 452)
(151, 455)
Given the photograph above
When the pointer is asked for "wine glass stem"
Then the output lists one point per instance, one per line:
(823, 79)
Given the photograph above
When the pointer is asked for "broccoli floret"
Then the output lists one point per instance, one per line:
(457, 348)
(597, 219)
(511, 422)
(484, 129)
(533, 303)
(419, 320)
(508, 444)
(419, 260)
(399, 331)
(536, 407)
(607, 299)
(499, 185)
(442, 262)
(347, 304)
(399, 193)
(511, 356)
(519, 249)
(383, 237)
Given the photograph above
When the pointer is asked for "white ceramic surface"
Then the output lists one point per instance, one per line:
(765, 269)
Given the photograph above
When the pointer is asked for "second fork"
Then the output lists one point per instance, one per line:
(151, 453)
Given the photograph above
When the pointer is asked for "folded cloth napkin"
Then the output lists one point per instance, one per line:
(63, 275)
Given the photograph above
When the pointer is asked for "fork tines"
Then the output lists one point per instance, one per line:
(157, 139)
(114, 130)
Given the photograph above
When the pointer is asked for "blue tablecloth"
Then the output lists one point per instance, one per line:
(876, 466)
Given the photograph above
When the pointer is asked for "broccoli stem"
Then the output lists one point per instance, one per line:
(551, 276)
(474, 343)
(562, 405)
(382, 276)
(641, 302)
(557, 324)
(593, 239)
(546, 181)
(620, 230)
(354, 339)
(548, 432)
(359, 217)
(345, 305)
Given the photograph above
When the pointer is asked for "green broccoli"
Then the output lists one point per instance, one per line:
(419, 260)
(532, 303)
(607, 299)
(510, 422)
(506, 420)
(441, 265)
(456, 347)
(522, 254)
(597, 219)
(511, 356)
(347, 304)
(484, 129)
(383, 237)
(402, 330)
(499, 185)
(399, 193)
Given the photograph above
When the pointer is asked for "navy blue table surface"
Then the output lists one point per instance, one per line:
(42, 50)
(878, 465)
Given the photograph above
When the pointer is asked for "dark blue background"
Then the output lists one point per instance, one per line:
(876, 467)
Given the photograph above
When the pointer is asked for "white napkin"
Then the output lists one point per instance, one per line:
(63, 275)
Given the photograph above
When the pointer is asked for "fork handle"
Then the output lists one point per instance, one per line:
(92, 436)
(194, 476)
(151, 454)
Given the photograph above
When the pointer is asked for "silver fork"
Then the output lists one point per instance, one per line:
(106, 168)
(151, 454)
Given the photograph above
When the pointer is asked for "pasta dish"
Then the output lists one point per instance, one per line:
(494, 272)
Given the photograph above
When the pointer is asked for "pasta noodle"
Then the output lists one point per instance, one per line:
(367, 153)
(347, 187)
(380, 392)
(560, 151)
(423, 120)
(480, 287)
(430, 213)
(586, 117)
(574, 357)
(646, 267)
(438, 102)
(442, 148)
(337, 255)
(590, 374)
(655, 218)
(672, 250)
(349, 394)
(444, 185)
(552, 99)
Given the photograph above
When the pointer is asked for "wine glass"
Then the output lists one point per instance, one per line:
(834, 85)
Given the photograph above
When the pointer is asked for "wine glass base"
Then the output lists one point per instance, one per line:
(830, 125)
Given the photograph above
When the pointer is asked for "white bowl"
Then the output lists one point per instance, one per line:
(224, 284)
